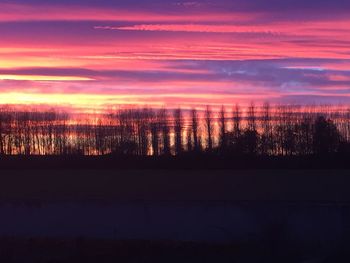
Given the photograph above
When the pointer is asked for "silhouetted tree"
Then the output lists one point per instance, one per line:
(251, 118)
(155, 127)
(304, 135)
(234, 137)
(267, 131)
(178, 129)
(236, 117)
(164, 122)
(222, 129)
(195, 124)
(326, 136)
(189, 140)
(209, 128)
(250, 140)
(250, 137)
(142, 130)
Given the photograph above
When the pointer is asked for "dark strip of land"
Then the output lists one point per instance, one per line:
(330, 186)
(47, 250)
(181, 162)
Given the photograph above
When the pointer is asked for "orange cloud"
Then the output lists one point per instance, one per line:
(200, 56)
(43, 78)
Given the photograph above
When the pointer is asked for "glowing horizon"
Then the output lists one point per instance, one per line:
(91, 55)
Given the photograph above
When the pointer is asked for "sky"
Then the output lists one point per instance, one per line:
(93, 54)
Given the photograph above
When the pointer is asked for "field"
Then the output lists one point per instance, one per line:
(174, 215)
(175, 185)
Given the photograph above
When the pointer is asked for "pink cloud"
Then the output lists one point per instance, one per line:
(47, 12)
(153, 57)
(189, 28)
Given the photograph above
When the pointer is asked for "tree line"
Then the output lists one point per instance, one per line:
(254, 130)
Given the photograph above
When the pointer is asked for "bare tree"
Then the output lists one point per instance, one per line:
(267, 131)
(164, 122)
(178, 129)
(155, 130)
(236, 121)
(222, 129)
(189, 141)
(285, 130)
(251, 117)
(209, 128)
(195, 125)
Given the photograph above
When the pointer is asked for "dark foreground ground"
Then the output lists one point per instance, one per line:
(304, 186)
(87, 250)
(101, 215)
(186, 161)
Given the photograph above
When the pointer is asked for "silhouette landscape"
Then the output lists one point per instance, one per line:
(174, 131)
(255, 131)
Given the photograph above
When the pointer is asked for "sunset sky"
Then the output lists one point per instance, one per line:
(92, 54)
